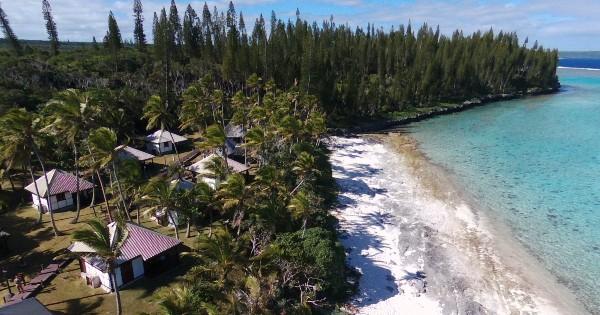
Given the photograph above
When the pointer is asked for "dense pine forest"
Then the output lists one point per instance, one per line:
(267, 243)
(353, 72)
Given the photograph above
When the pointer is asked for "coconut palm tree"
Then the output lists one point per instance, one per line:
(234, 195)
(161, 196)
(196, 108)
(89, 161)
(304, 167)
(158, 114)
(221, 254)
(180, 300)
(102, 143)
(71, 112)
(215, 138)
(99, 238)
(19, 132)
(301, 208)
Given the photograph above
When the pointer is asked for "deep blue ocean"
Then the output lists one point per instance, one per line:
(581, 63)
(534, 163)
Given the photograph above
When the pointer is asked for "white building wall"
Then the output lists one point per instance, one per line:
(162, 148)
(56, 205)
(91, 272)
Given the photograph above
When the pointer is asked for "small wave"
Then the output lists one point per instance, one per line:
(575, 68)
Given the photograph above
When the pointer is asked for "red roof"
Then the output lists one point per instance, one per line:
(144, 242)
(60, 182)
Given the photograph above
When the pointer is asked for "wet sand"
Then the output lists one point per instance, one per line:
(424, 246)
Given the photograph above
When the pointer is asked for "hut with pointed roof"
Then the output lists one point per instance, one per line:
(59, 196)
(161, 141)
(144, 252)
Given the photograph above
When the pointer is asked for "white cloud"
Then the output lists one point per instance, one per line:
(559, 23)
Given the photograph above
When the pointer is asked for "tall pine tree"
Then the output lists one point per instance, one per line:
(113, 40)
(138, 31)
(9, 34)
(191, 32)
(50, 27)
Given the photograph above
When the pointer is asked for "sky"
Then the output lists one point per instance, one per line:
(561, 24)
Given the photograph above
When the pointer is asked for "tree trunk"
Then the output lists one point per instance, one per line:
(37, 155)
(78, 205)
(104, 195)
(138, 214)
(12, 184)
(174, 223)
(116, 289)
(37, 192)
(187, 230)
(120, 191)
(93, 202)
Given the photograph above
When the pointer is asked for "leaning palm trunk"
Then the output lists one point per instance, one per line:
(125, 208)
(187, 229)
(104, 195)
(113, 279)
(93, 202)
(35, 151)
(175, 148)
(37, 193)
(101, 182)
(174, 222)
(78, 203)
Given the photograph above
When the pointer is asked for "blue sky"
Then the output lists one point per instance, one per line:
(562, 24)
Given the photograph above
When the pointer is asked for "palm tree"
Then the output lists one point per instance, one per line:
(71, 112)
(130, 174)
(215, 138)
(233, 194)
(301, 208)
(161, 196)
(94, 167)
(304, 167)
(221, 254)
(180, 300)
(194, 113)
(255, 140)
(19, 132)
(102, 143)
(98, 237)
(158, 115)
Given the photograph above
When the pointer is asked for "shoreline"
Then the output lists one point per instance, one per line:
(430, 233)
(386, 124)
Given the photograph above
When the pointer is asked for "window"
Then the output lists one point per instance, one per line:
(61, 197)
(167, 145)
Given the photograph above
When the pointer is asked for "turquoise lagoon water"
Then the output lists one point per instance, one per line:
(535, 163)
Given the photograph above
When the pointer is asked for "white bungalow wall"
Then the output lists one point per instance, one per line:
(91, 271)
(163, 147)
(56, 205)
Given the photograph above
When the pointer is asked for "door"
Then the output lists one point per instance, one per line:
(82, 264)
(126, 272)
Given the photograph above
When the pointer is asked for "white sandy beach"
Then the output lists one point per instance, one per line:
(422, 248)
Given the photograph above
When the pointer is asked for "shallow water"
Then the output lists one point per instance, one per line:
(535, 163)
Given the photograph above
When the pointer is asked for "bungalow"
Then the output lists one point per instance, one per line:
(127, 152)
(200, 168)
(161, 142)
(165, 220)
(62, 187)
(144, 252)
(235, 138)
(236, 133)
